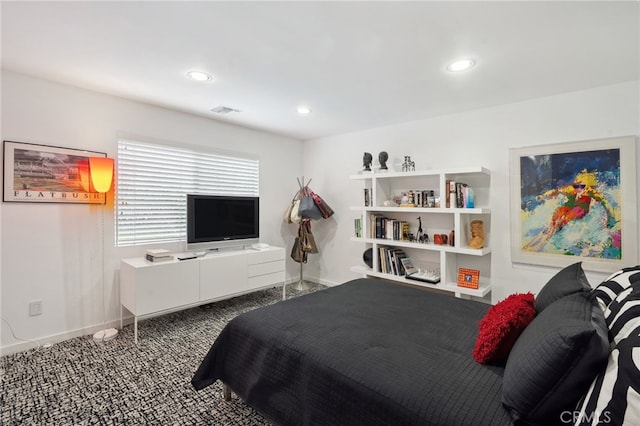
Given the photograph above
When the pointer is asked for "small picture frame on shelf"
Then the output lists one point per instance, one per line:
(469, 278)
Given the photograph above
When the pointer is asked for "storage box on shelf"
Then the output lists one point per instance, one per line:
(382, 194)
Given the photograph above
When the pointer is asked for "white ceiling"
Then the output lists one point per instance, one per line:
(357, 65)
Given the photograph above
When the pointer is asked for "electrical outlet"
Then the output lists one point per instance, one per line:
(35, 308)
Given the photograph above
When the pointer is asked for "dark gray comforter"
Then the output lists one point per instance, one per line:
(367, 352)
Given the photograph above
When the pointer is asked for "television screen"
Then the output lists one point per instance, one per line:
(213, 218)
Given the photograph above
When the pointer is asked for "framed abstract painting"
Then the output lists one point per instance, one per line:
(573, 202)
(48, 174)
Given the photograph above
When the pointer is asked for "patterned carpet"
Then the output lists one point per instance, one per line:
(80, 382)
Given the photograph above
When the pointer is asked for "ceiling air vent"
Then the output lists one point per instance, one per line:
(221, 109)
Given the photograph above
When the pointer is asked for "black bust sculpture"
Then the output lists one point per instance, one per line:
(382, 158)
(366, 161)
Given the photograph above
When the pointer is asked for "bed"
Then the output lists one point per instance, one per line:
(370, 352)
(366, 352)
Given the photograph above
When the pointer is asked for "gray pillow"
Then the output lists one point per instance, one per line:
(555, 359)
(568, 281)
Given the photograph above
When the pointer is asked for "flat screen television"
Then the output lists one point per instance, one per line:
(215, 221)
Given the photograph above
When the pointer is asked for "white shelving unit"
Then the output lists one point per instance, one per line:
(435, 220)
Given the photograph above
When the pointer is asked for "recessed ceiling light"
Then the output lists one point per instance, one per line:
(199, 76)
(304, 110)
(461, 65)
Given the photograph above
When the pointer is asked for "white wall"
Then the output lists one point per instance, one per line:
(481, 137)
(51, 252)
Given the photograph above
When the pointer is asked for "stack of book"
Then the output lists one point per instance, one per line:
(158, 255)
(389, 229)
(390, 260)
(459, 195)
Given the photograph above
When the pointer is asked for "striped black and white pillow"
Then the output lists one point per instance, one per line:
(623, 314)
(614, 396)
(615, 284)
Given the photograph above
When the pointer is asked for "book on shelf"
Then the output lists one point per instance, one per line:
(374, 225)
(158, 252)
(461, 189)
(381, 260)
(357, 225)
(396, 258)
(152, 258)
(469, 198)
(450, 189)
(407, 264)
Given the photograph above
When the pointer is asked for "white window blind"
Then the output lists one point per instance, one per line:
(153, 181)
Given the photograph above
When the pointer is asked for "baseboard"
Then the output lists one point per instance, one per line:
(315, 280)
(48, 341)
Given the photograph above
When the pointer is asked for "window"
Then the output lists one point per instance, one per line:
(153, 181)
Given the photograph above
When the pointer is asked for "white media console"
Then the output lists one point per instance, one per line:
(153, 288)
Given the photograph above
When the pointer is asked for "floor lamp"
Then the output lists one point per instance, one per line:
(101, 175)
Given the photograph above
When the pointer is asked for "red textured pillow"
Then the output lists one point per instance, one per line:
(501, 327)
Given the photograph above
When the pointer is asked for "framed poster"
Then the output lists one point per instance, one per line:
(48, 174)
(575, 202)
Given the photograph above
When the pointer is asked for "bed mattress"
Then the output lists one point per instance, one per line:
(367, 352)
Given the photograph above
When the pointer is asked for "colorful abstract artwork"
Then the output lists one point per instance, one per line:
(572, 203)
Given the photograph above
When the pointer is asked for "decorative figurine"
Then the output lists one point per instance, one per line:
(405, 165)
(407, 199)
(422, 236)
(477, 234)
(382, 158)
(366, 161)
(408, 165)
(420, 233)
